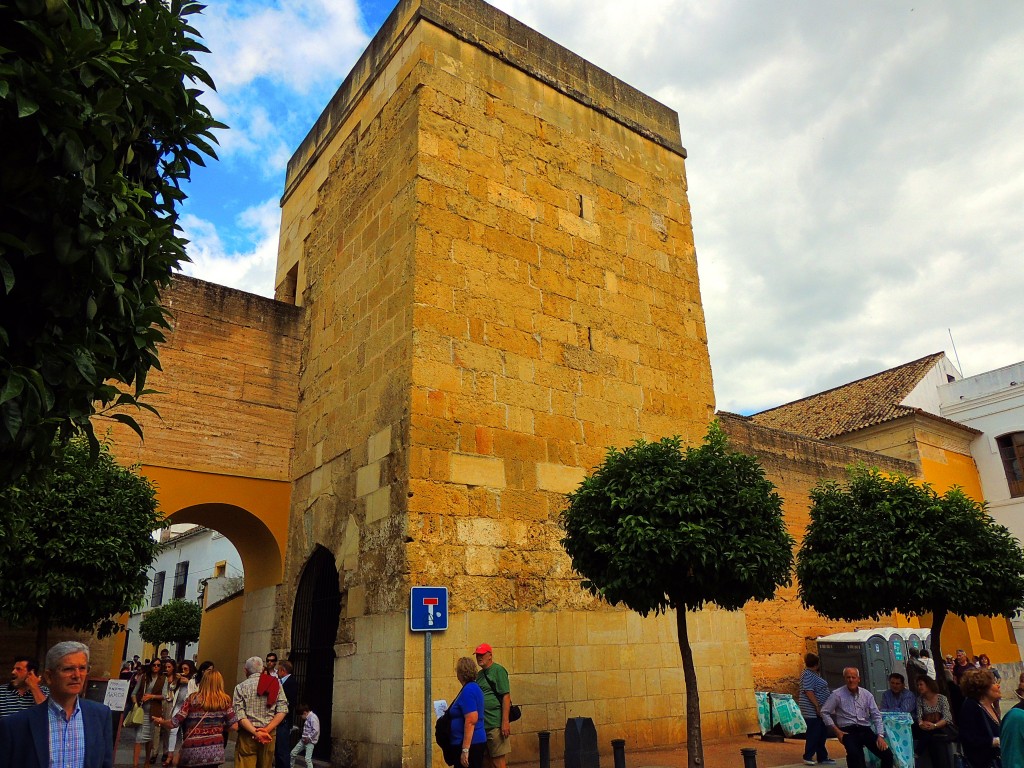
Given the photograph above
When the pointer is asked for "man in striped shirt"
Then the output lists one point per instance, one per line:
(25, 689)
(814, 692)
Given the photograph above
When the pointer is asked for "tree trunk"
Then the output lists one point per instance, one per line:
(938, 619)
(42, 630)
(694, 742)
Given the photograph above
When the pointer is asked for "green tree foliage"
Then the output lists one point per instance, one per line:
(100, 127)
(655, 528)
(176, 621)
(76, 543)
(885, 544)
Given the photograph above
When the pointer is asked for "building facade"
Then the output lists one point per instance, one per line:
(197, 564)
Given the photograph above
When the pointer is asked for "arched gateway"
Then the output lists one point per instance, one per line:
(314, 633)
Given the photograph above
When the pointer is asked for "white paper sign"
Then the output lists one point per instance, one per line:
(439, 707)
(116, 695)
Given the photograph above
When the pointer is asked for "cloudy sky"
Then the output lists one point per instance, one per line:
(856, 169)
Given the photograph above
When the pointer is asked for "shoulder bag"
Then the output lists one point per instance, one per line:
(514, 710)
(443, 735)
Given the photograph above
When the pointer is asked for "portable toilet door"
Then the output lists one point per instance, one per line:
(914, 641)
(878, 666)
(898, 649)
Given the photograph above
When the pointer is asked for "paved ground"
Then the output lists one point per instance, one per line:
(724, 753)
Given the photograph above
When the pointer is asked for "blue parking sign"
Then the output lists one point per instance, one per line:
(428, 609)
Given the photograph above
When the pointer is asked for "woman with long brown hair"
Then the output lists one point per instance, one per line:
(148, 694)
(203, 717)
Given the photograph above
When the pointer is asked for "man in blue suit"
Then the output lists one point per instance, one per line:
(65, 730)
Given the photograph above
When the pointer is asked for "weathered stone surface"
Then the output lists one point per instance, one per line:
(491, 240)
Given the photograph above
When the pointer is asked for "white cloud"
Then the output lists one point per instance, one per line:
(296, 44)
(275, 65)
(250, 269)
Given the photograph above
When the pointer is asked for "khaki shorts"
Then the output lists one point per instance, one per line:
(497, 745)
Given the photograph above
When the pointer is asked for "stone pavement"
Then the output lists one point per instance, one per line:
(724, 753)
(721, 753)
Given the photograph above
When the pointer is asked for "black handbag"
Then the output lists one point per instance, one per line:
(514, 711)
(443, 735)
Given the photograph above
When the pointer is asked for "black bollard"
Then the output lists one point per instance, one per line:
(545, 748)
(619, 752)
(749, 757)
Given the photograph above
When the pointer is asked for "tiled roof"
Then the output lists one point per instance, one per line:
(871, 400)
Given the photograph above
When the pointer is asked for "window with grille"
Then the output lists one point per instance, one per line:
(180, 577)
(157, 598)
(1011, 451)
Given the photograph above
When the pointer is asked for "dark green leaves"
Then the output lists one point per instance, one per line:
(100, 123)
(176, 621)
(880, 545)
(657, 527)
(76, 542)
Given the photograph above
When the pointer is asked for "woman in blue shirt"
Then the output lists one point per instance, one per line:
(468, 716)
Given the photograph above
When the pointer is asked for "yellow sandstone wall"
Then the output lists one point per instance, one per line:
(492, 243)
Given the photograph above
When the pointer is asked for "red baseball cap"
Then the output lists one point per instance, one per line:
(483, 648)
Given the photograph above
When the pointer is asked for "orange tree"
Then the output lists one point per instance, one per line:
(884, 544)
(656, 527)
(76, 543)
(101, 123)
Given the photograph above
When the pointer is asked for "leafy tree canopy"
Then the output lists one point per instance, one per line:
(176, 621)
(657, 527)
(76, 543)
(100, 127)
(883, 544)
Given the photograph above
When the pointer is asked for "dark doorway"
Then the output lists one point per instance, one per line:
(314, 633)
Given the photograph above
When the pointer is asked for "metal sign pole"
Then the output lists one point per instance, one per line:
(428, 704)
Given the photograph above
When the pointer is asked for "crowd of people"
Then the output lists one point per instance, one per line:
(185, 714)
(966, 718)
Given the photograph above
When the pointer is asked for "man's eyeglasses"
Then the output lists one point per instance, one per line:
(82, 670)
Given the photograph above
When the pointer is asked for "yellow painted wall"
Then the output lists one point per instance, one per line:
(251, 512)
(218, 638)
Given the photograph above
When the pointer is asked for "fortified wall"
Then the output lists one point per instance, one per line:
(219, 450)
(782, 630)
(491, 240)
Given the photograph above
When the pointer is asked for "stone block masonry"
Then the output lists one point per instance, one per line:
(491, 240)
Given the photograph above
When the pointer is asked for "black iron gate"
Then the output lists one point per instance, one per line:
(314, 633)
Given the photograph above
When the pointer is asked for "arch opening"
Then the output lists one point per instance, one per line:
(314, 634)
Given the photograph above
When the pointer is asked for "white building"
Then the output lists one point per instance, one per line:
(194, 564)
(993, 402)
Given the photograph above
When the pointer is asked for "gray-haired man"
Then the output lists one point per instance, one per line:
(65, 730)
(260, 710)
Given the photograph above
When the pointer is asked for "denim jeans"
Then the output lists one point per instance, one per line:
(303, 747)
(816, 735)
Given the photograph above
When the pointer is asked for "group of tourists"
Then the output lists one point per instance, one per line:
(481, 713)
(967, 719)
(183, 712)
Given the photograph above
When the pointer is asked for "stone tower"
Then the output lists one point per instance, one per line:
(492, 242)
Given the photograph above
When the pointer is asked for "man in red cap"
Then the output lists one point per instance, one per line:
(493, 681)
